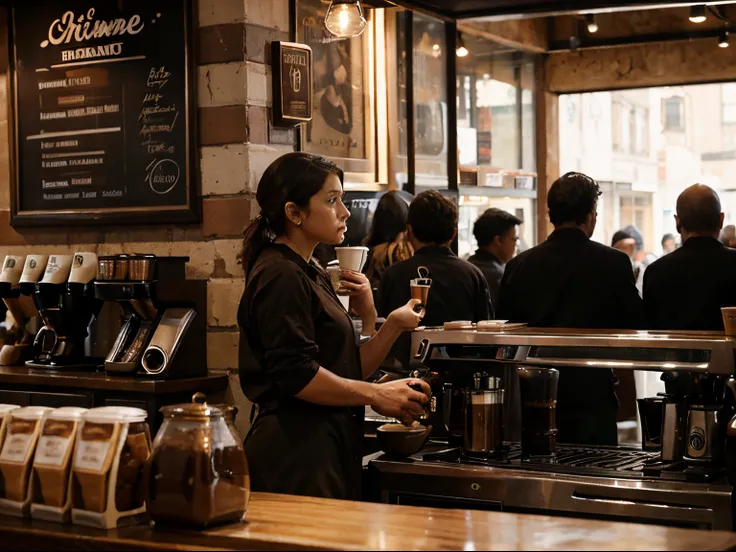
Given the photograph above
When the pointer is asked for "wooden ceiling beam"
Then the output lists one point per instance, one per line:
(659, 64)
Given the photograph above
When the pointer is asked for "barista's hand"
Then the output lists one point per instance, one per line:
(397, 400)
(405, 318)
(358, 287)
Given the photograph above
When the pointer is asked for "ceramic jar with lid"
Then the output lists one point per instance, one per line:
(197, 475)
(112, 448)
(16, 458)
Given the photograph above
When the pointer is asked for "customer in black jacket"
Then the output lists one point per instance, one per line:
(686, 289)
(497, 234)
(459, 290)
(570, 281)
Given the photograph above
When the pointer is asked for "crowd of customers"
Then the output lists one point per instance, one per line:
(568, 281)
(310, 379)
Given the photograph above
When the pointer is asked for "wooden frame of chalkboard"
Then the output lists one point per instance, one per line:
(81, 152)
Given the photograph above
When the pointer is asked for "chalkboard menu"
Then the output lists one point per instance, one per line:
(103, 112)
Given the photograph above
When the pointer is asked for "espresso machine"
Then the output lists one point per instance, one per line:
(678, 478)
(163, 327)
(66, 304)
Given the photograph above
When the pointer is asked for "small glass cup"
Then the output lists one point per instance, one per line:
(420, 290)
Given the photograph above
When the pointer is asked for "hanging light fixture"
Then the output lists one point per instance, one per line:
(591, 22)
(460, 49)
(345, 18)
(723, 39)
(697, 13)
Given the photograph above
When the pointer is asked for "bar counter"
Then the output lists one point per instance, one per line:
(281, 522)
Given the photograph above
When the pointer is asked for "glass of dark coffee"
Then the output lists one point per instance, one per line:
(538, 389)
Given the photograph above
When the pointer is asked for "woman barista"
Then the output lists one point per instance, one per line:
(299, 359)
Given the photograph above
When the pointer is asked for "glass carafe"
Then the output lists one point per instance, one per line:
(197, 474)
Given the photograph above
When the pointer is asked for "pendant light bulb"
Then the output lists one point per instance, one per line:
(723, 40)
(592, 23)
(345, 18)
(460, 49)
(697, 13)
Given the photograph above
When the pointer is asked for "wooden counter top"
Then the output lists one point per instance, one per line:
(278, 522)
(215, 381)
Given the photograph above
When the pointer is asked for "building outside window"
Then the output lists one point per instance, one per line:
(728, 103)
(673, 113)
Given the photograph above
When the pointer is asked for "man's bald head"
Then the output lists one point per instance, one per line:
(699, 210)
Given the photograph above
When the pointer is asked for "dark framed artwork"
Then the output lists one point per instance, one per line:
(103, 121)
(343, 122)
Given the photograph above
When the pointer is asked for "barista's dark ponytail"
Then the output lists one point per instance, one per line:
(294, 177)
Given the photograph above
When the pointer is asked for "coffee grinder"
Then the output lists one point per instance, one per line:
(67, 306)
(19, 337)
(163, 330)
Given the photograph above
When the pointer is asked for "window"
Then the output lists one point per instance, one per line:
(496, 107)
(641, 131)
(673, 110)
(616, 125)
(728, 102)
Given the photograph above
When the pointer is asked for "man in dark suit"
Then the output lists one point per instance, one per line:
(459, 290)
(497, 234)
(686, 289)
(570, 281)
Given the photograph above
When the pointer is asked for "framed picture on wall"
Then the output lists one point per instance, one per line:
(103, 122)
(342, 125)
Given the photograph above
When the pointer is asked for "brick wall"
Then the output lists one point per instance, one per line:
(236, 145)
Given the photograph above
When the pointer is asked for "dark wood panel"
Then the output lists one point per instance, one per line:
(82, 400)
(21, 398)
(85, 380)
(499, 9)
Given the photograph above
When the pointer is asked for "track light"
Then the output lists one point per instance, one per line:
(697, 13)
(591, 22)
(345, 18)
(723, 39)
(461, 50)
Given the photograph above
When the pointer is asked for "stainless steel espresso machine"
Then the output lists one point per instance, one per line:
(679, 478)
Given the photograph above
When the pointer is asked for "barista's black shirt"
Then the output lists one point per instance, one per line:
(492, 269)
(459, 291)
(292, 323)
(686, 289)
(570, 281)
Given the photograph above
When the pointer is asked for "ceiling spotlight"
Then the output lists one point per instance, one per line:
(345, 18)
(697, 13)
(723, 40)
(461, 50)
(591, 22)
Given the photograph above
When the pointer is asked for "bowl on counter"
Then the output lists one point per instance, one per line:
(399, 440)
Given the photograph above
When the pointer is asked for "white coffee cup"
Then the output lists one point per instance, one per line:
(84, 268)
(57, 269)
(352, 258)
(34, 268)
(12, 269)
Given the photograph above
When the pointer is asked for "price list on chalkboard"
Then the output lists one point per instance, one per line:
(102, 97)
